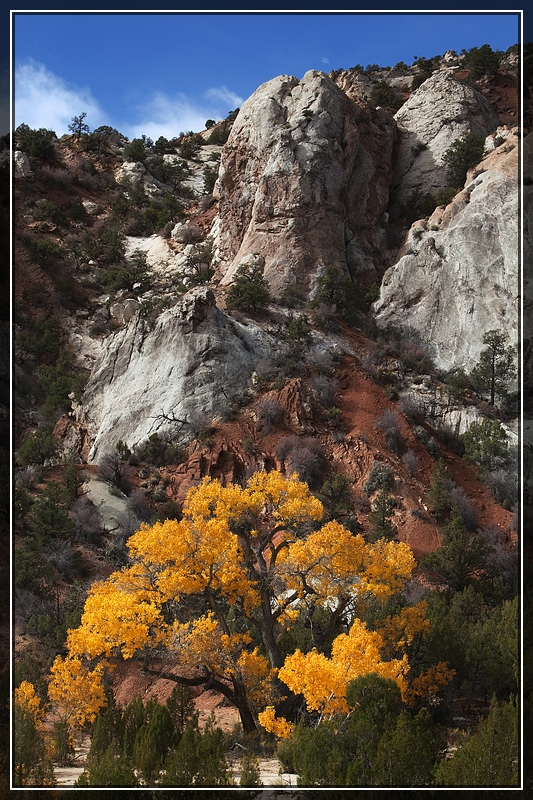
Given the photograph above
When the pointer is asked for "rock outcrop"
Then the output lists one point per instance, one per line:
(458, 275)
(190, 364)
(21, 164)
(440, 111)
(304, 182)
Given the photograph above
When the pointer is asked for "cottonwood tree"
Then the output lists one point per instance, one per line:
(204, 596)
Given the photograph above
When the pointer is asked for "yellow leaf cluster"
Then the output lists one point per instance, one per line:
(256, 674)
(323, 680)
(276, 725)
(388, 564)
(77, 691)
(28, 701)
(399, 630)
(199, 553)
(116, 618)
(337, 564)
(203, 642)
(288, 501)
(429, 682)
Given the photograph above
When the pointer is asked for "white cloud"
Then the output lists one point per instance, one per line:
(325, 60)
(169, 116)
(45, 100)
(224, 96)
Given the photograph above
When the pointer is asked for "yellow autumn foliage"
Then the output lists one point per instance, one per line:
(240, 552)
(76, 691)
(276, 725)
(117, 618)
(429, 683)
(27, 700)
(323, 680)
(400, 629)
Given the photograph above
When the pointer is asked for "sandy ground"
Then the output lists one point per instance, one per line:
(270, 770)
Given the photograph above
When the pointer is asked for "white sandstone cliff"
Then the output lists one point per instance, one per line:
(458, 274)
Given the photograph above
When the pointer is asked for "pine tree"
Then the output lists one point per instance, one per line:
(438, 496)
(381, 515)
(496, 367)
(486, 444)
(250, 772)
(78, 126)
(490, 756)
(249, 290)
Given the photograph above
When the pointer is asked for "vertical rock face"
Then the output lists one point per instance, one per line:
(438, 112)
(189, 364)
(458, 276)
(303, 181)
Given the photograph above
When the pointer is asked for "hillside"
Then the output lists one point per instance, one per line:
(323, 286)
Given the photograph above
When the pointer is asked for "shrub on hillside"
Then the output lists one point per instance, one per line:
(486, 444)
(411, 462)
(159, 450)
(388, 424)
(482, 60)
(380, 476)
(39, 143)
(38, 448)
(461, 504)
(383, 94)
(115, 472)
(303, 455)
(503, 483)
(137, 149)
(324, 388)
(249, 290)
(463, 154)
(87, 522)
(339, 291)
(269, 413)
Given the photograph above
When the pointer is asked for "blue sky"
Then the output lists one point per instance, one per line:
(160, 74)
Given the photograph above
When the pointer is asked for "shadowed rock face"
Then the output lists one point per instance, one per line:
(190, 364)
(304, 181)
(458, 276)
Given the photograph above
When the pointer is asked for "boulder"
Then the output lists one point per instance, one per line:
(92, 209)
(123, 312)
(186, 234)
(130, 172)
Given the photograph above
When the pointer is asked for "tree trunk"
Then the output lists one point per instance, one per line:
(247, 719)
(236, 694)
